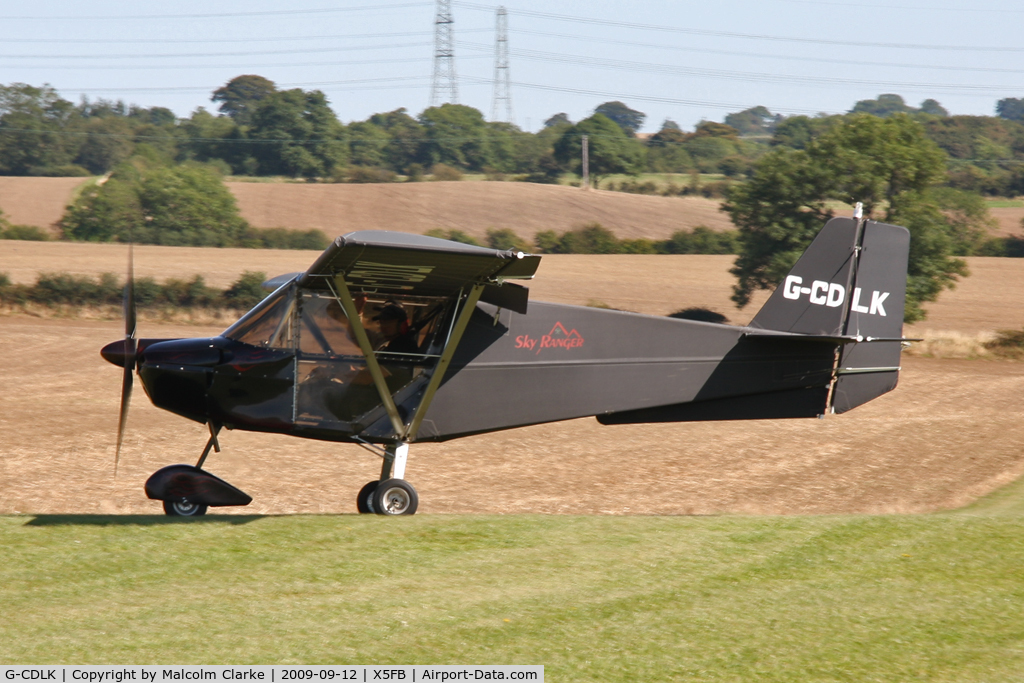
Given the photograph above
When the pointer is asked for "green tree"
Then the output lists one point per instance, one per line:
(885, 105)
(456, 135)
(610, 149)
(295, 133)
(754, 121)
(108, 142)
(405, 139)
(1011, 108)
(887, 164)
(933, 108)
(32, 126)
(239, 96)
(211, 137)
(666, 151)
(559, 119)
(797, 132)
(181, 205)
(630, 120)
(367, 144)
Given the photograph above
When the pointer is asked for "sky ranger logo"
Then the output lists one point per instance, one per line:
(832, 294)
(557, 338)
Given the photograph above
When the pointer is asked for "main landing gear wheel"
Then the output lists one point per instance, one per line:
(395, 497)
(174, 508)
(364, 501)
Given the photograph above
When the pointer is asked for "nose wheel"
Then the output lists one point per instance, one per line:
(183, 508)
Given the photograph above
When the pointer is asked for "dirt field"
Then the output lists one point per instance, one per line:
(473, 207)
(951, 432)
(36, 201)
(1009, 220)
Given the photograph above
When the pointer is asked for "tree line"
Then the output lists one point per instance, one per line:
(261, 130)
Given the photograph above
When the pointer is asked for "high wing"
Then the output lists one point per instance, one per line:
(379, 262)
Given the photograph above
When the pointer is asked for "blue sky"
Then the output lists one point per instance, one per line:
(682, 60)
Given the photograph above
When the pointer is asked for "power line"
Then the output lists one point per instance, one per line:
(929, 8)
(183, 41)
(762, 55)
(721, 74)
(345, 48)
(216, 15)
(747, 36)
(307, 84)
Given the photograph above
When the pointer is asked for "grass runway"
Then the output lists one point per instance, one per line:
(727, 598)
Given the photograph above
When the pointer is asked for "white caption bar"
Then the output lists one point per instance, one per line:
(360, 673)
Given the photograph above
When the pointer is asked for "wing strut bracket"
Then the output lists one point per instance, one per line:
(442, 363)
(345, 298)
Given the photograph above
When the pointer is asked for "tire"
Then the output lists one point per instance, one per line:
(395, 497)
(364, 501)
(174, 508)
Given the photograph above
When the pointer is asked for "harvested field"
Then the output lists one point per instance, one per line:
(473, 207)
(1009, 220)
(36, 201)
(943, 438)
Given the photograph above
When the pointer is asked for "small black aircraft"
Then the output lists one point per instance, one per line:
(391, 338)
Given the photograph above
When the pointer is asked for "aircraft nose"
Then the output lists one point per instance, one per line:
(115, 352)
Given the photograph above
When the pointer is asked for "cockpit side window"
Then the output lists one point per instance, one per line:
(324, 329)
(269, 324)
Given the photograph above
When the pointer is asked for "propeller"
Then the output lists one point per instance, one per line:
(129, 353)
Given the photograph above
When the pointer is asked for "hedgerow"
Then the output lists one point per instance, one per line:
(106, 289)
(596, 239)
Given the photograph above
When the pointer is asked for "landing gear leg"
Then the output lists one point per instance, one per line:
(212, 443)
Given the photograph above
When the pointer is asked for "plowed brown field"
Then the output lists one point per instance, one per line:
(951, 432)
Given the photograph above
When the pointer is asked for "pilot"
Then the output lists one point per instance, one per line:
(394, 329)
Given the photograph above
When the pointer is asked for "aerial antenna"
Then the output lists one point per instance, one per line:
(502, 86)
(444, 57)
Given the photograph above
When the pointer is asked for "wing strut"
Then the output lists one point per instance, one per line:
(442, 364)
(345, 297)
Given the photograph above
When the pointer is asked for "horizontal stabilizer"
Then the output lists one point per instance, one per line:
(809, 402)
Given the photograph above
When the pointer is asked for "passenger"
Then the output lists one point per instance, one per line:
(394, 329)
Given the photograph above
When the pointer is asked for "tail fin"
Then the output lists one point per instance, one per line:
(850, 282)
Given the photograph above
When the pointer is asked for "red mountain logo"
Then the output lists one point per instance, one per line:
(557, 338)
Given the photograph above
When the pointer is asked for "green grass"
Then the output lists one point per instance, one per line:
(830, 598)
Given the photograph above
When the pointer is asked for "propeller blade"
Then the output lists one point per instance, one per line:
(130, 350)
(129, 298)
(126, 395)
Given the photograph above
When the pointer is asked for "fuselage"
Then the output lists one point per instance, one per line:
(555, 362)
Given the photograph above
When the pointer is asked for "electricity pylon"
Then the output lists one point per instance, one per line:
(444, 57)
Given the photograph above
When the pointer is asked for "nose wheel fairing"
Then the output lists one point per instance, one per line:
(189, 485)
